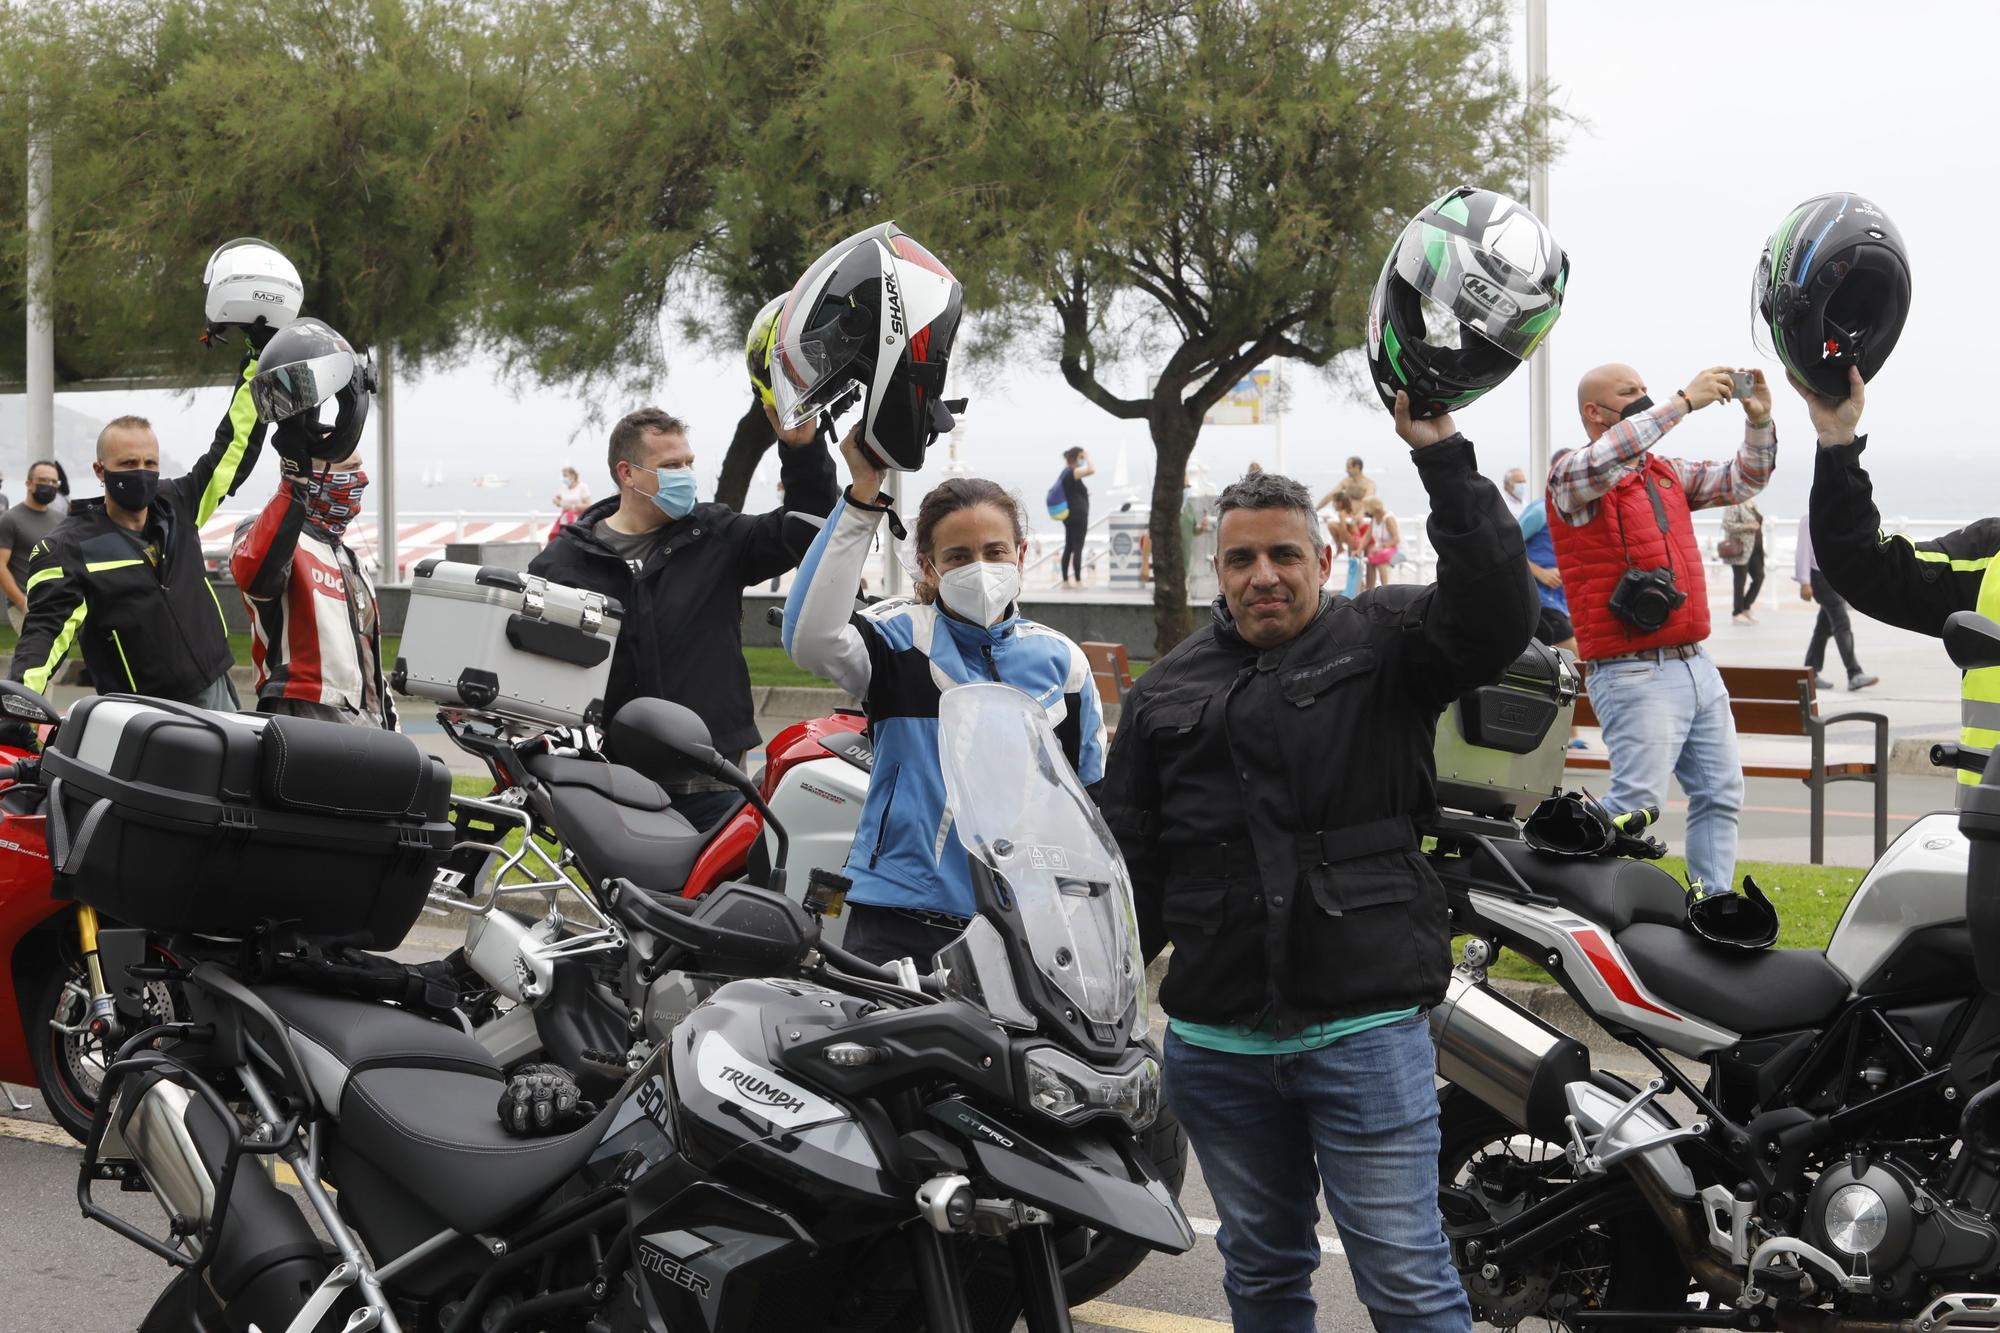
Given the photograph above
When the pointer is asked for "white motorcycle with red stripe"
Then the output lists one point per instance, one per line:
(1820, 1147)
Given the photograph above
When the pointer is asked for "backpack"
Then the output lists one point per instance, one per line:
(1058, 500)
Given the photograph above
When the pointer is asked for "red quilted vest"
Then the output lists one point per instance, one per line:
(1592, 559)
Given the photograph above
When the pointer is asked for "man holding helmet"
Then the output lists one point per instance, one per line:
(317, 629)
(679, 567)
(124, 577)
(1269, 785)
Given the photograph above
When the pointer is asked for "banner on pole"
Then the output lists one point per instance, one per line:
(1247, 404)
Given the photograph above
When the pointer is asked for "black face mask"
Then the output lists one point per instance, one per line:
(133, 489)
(1632, 409)
(44, 495)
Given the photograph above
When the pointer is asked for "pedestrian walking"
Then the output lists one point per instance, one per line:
(1742, 549)
(1076, 523)
(1832, 622)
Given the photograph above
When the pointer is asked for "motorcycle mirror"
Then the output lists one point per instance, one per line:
(19, 702)
(1972, 640)
(661, 738)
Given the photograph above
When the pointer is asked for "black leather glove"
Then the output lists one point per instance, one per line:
(293, 441)
(541, 1100)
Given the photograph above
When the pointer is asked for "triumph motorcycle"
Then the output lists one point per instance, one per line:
(1820, 1147)
(819, 1143)
(588, 992)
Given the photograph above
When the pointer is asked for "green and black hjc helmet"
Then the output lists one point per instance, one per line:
(1474, 284)
(1831, 290)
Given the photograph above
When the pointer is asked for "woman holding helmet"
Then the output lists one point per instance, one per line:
(876, 316)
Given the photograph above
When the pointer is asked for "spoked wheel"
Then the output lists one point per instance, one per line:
(69, 1059)
(1488, 1166)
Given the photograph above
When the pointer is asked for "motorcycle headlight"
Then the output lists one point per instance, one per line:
(1066, 1089)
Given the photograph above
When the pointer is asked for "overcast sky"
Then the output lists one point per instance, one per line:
(1695, 127)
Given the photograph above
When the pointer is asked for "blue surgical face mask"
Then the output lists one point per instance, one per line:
(676, 494)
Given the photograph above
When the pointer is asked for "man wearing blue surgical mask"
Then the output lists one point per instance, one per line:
(678, 567)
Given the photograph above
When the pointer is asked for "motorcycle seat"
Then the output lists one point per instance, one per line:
(1747, 991)
(615, 782)
(618, 823)
(440, 1130)
(1614, 892)
(417, 1101)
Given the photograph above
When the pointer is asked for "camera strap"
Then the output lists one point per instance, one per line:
(1659, 517)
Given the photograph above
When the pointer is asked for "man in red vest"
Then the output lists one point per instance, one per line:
(1626, 548)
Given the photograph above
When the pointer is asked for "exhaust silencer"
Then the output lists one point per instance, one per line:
(266, 1262)
(1506, 1057)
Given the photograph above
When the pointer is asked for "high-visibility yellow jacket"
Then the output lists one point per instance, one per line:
(1914, 585)
(139, 604)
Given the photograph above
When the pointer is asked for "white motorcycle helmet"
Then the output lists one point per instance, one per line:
(248, 279)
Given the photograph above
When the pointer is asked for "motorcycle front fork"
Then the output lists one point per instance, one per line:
(103, 1020)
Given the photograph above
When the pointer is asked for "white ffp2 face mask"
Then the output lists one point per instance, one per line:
(980, 592)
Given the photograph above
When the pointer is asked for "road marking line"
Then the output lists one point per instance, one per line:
(1131, 1317)
(34, 1131)
(1208, 1226)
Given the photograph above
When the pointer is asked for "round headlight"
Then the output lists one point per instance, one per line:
(1856, 1219)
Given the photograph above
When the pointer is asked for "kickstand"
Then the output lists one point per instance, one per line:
(12, 1102)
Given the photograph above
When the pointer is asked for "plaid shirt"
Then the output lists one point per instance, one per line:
(1582, 477)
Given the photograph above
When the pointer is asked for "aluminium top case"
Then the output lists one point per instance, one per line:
(173, 818)
(514, 645)
(1500, 748)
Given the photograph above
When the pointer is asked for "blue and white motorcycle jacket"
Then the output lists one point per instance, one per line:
(898, 657)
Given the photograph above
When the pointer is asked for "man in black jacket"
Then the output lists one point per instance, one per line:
(679, 569)
(1267, 786)
(124, 576)
(1913, 585)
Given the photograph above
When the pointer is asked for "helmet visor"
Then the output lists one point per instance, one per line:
(1489, 286)
(807, 371)
(283, 392)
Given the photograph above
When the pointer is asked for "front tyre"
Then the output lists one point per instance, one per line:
(68, 1060)
(1489, 1169)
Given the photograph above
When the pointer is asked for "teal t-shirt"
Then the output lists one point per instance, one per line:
(1236, 1039)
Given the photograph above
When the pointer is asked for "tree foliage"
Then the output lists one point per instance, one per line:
(1164, 194)
(1197, 186)
(356, 135)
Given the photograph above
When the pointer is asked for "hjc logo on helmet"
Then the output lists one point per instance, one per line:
(1484, 292)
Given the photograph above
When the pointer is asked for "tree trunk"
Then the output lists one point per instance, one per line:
(746, 450)
(1174, 438)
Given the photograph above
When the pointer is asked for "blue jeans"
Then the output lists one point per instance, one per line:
(1358, 1118)
(1672, 717)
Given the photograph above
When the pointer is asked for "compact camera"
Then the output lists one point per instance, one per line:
(1644, 598)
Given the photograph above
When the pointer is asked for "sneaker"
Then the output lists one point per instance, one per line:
(1822, 681)
(1861, 681)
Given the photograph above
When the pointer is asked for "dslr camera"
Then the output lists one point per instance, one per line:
(1644, 598)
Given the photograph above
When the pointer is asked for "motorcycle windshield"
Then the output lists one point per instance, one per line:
(1020, 809)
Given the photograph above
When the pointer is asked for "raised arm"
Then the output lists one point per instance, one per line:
(1483, 609)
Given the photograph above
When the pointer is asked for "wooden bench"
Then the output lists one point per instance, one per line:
(1782, 701)
(1112, 671)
